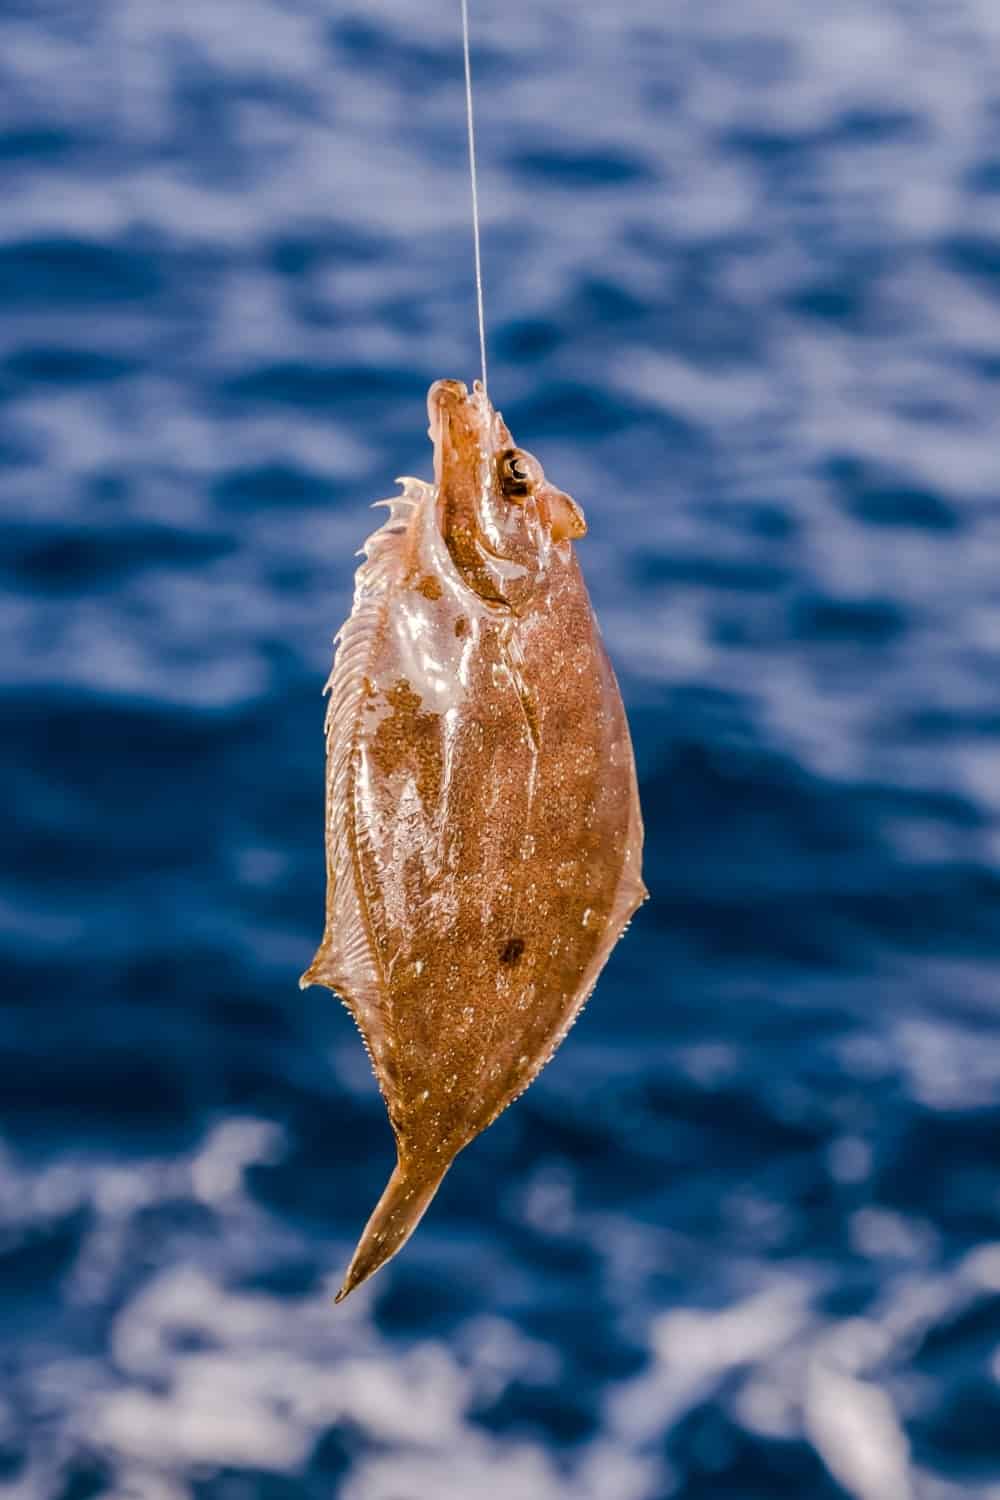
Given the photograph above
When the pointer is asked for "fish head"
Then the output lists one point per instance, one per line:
(504, 524)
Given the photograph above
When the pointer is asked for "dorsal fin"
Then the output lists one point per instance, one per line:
(346, 960)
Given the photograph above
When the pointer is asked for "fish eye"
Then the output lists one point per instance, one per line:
(519, 473)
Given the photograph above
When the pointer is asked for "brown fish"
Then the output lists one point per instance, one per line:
(483, 833)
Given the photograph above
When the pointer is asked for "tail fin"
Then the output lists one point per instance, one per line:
(396, 1216)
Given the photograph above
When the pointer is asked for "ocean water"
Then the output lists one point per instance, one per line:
(741, 1241)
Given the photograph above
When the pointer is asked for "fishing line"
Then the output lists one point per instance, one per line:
(475, 188)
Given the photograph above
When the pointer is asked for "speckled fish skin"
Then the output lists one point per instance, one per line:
(483, 830)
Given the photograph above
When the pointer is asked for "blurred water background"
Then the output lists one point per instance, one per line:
(742, 1239)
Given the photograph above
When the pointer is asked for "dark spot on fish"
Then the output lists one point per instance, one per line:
(461, 626)
(430, 587)
(512, 950)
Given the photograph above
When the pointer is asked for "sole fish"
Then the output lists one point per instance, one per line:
(483, 831)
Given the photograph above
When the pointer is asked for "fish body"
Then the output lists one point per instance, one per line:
(483, 832)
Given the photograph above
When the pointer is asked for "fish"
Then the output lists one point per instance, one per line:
(483, 831)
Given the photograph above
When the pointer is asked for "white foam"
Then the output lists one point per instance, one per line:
(857, 1433)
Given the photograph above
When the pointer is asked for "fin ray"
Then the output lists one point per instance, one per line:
(346, 961)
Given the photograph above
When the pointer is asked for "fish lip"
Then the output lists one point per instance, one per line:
(457, 415)
(442, 395)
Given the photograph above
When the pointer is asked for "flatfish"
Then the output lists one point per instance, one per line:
(483, 832)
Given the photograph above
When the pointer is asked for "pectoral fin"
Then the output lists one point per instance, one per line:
(565, 518)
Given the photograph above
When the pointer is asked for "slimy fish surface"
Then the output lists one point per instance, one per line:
(483, 833)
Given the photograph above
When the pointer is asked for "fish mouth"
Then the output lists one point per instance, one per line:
(459, 425)
(444, 399)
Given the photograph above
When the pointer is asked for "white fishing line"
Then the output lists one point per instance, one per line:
(475, 188)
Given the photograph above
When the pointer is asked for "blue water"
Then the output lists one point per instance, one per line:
(742, 1239)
